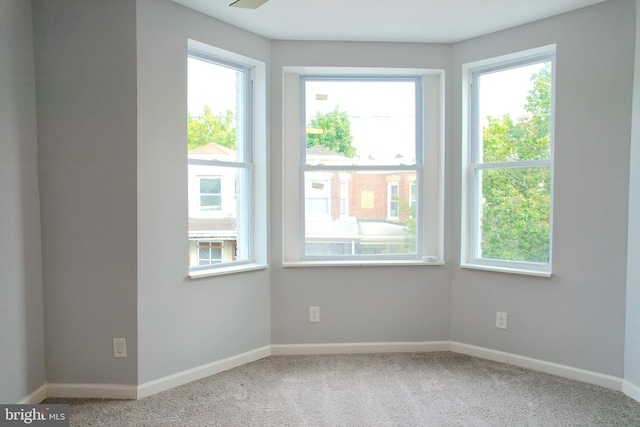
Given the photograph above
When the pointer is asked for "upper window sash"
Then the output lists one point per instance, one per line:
(419, 108)
(246, 94)
(475, 136)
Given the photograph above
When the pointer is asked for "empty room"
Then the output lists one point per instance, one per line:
(321, 213)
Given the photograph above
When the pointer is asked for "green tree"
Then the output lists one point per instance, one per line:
(408, 246)
(211, 128)
(336, 132)
(516, 201)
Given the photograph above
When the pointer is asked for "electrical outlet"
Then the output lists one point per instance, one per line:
(119, 347)
(314, 314)
(501, 320)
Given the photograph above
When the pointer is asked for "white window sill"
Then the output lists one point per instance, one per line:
(506, 270)
(227, 270)
(360, 263)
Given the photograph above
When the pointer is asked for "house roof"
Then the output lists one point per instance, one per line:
(318, 150)
(212, 148)
(212, 227)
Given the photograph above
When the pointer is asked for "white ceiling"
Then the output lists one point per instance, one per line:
(383, 20)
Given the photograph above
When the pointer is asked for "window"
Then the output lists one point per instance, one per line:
(393, 200)
(210, 193)
(224, 230)
(209, 253)
(318, 196)
(344, 197)
(509, 164)
(355, 146)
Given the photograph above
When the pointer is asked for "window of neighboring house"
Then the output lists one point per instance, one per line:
(318, 197)
(362, 135)
(509, 163)
(344, 197)
(223, 189)
(393, 200)
(210, 193)
(209, 253)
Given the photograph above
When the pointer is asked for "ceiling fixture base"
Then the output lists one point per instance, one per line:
(248, 4)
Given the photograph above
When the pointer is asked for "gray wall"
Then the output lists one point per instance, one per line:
(632, 338)
(577, 316)
(22, 369)
(183, 323)
(86, 104)
(357, 304)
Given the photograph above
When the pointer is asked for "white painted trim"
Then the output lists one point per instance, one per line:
(36, 397)
(121, 391)
(603, 380)
(198, 274)
(342, 348)
(102, 391)
(184, 377)
(631, 390)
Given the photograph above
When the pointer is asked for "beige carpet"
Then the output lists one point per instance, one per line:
(406, 389)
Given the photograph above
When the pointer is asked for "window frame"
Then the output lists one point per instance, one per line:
(473, 164)
(430, 239)
(250, 163)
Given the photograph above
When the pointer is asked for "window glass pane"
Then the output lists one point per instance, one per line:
(210, 185)
(209, 252)
(360, 122)
(222, 216)
(210, 193)
(365, 228)
(514, 214)
(215, 113)
(210, 202)
(393, 200)
(514, 114)
(317, 205)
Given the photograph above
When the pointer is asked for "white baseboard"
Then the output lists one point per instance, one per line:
(631, 390)
(342, 348)
(36, 397)
(102, 391)
(119, 391)
(184, 377)
(607, 381)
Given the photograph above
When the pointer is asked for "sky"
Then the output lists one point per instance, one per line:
(506, 91)
(210, 84)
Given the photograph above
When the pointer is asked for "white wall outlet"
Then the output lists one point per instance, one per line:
(314, 314)
(501, 320)
(119, 347)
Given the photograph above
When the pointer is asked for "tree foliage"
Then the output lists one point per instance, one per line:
(336, 132)
(211, 128)
(516, 201)
(409, 245)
